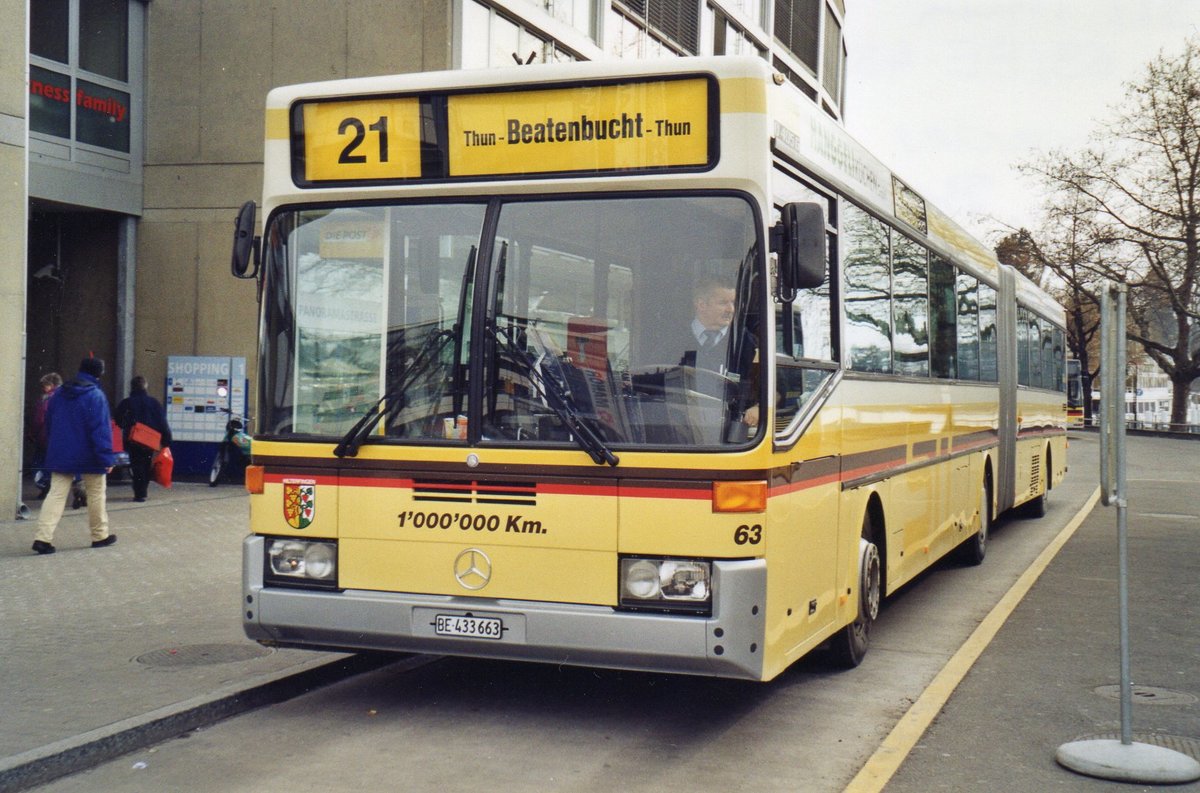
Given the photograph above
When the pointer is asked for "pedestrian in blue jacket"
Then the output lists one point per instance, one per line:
(79, 435)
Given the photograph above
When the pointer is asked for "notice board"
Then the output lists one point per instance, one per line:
(199, 391)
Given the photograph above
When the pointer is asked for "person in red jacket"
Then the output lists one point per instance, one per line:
(79, 435)
(51, 382)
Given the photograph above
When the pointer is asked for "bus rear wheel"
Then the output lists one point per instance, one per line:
(974, 548)
(851, 643)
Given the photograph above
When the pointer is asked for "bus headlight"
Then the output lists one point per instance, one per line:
(667, 584)
(301, 563)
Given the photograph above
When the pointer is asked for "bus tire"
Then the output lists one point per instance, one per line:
(974, 549)
(850, 644)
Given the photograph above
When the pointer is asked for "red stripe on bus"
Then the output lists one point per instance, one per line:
(804, 484)
(374, 481)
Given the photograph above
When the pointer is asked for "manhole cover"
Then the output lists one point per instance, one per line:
(1148, 695)
(202, 654)
(1178, 743)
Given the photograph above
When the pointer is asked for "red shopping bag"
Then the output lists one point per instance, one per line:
(162, 466)
(145, 435)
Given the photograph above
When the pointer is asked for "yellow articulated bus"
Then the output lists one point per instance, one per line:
(644, 365)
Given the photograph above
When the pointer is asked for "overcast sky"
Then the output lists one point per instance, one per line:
(951, 94)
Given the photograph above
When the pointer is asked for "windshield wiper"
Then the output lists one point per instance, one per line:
(556, 396)
(396, 399)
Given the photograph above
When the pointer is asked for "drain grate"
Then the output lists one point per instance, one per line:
(1178, 743)
(202, 655)
(1149, 695)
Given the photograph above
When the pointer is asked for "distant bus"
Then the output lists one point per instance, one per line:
(1075, 393)
(645, 365)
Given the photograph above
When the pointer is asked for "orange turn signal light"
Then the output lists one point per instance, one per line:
(740, 496)
(254, 479)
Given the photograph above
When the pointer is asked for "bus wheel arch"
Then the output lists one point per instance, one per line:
(850, 644)
(973, 550)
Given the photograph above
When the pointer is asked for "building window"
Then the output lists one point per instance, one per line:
(811, 51)
(579, 14)
(79, 85)
(728, 38)
(751, 9)
(49, 102)
(832, 60)
(796, 26)
(490, 39)
(104, 38)
(102, 116)
(49, 31)
(677, 22)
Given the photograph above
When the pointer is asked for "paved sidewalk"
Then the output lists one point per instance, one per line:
(104, 649)
(1052, 673)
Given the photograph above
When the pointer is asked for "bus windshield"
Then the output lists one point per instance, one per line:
(633, 320)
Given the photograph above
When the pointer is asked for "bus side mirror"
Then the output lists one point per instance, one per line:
(799, 239)
(245, 244)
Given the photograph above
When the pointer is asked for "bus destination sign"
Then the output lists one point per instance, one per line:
(631, 126)
(662, 124)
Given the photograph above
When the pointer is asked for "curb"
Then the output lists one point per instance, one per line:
(85, 751)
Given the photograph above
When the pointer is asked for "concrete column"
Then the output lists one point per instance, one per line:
(14, 208)
(126, 293)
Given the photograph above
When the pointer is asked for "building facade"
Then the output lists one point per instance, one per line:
(132, 130)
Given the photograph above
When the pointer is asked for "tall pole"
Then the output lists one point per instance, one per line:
(1122, 504)
(1122, 760)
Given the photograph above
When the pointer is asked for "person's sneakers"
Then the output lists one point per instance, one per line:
(140, 499)
(43, 547)
(109, 540)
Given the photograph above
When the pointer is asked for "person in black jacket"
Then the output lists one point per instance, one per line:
(724, 362)
(139, 406)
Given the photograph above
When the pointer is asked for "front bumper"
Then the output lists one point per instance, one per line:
(727, 644)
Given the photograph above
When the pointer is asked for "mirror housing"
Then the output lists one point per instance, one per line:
(799, 239)
(245, 244)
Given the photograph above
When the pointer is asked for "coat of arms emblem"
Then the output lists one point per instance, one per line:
(299, 502)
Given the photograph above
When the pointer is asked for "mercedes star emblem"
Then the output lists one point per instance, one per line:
(473, 569)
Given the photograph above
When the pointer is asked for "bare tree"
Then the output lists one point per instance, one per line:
(1134, 197)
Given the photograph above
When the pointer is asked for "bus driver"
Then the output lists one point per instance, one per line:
(723, 371)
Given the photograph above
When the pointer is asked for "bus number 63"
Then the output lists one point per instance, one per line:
(748, 535)
(360, 134)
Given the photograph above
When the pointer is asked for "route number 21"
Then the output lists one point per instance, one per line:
(380, 127)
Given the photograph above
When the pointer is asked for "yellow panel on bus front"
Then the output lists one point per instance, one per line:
(376, 138)
(641, 125)
(548, 513)
(479, 569)
(676, 518)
